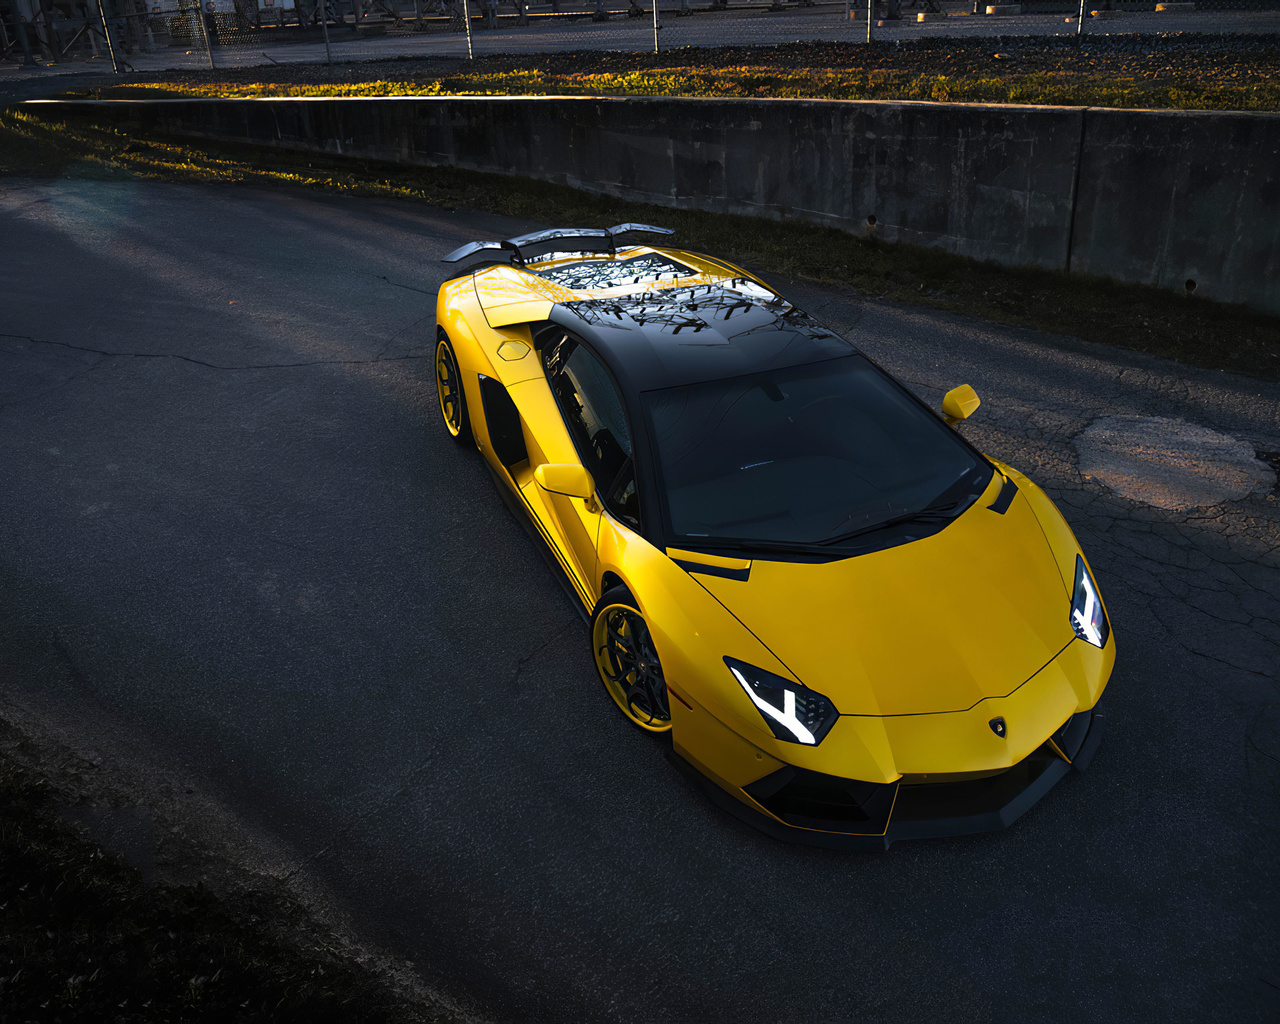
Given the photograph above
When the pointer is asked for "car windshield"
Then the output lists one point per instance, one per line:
(811, 454)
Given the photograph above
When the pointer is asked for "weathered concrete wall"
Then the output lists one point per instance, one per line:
(1168, 197)
(1152, 197)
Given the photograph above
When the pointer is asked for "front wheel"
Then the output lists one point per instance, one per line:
(628, 663)
(453, 403)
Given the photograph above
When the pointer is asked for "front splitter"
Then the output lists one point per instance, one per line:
(931, 811)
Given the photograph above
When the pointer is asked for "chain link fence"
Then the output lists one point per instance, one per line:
(155, 35)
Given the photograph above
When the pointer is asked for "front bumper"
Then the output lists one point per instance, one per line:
(801, 806)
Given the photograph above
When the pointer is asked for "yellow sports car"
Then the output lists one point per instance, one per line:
(852, 624)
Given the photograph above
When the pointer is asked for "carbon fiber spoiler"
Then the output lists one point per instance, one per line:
(524, 248)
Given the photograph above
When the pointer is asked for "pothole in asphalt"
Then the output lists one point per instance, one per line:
(1170, 463)
(1272, 459)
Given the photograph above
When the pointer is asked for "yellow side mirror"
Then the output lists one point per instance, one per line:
(565, 478)
(959, 404)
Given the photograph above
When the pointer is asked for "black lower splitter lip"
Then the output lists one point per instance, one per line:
(930, 811)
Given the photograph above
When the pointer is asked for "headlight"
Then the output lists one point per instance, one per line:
(1088, 618)
(794, 712)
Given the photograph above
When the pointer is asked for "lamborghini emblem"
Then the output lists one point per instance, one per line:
(997, 726)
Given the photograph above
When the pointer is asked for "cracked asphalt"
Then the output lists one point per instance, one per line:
(234, 538)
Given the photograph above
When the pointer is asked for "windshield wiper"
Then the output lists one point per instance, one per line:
(929, 514)
(711, 544)
(946, 505)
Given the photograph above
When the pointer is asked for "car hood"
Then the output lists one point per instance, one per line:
(934, 625)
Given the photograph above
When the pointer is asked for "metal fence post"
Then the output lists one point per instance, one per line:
(1080, 20)
(20, 26)
(324, 27)
(871, 10)
(656, 26)
(466, 20)
(204, 31)
(106, 31)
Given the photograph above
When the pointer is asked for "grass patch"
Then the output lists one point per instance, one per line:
(1186, 329)
(1154, 71)
(83, 938)
(765, 82)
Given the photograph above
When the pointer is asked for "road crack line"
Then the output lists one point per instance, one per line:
(522, 662)
(55, 388)
(214, 366)
(77, 674)
(406, 287)
(347, 829)
(413, 773)
(408, 327)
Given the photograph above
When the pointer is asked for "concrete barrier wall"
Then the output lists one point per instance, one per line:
(1154, 197)
(1171, 197)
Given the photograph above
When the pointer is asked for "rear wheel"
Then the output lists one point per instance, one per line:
(453, 403)
(627, 661)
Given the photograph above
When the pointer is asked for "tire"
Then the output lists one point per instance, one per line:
(452, 400)
(627, 661)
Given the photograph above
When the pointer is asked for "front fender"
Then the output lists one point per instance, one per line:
(712, 718)
(1094, 666)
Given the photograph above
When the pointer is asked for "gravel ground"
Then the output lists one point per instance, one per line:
(1220, 59)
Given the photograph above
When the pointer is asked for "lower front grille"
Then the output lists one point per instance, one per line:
(975, 797)
(808, 799)
(939, 777)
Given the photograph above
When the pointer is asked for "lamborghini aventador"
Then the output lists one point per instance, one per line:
(854, 626)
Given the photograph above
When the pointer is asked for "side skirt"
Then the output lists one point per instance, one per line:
(517, 507)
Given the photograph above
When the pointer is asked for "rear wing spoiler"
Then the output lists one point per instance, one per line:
(526, 248)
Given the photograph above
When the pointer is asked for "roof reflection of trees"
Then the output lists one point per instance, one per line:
(675, 321)
(613, 273)
(794, 321)
(695, 309)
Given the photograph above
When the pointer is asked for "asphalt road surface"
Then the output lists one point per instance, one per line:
(233, 533)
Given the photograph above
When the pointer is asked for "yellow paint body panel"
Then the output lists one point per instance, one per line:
(938, 624)
(919, 646)
(963, 741)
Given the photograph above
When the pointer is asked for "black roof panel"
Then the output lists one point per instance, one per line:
(684, 335)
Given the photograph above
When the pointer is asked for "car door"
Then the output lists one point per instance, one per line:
(593, 413)
(569, 526)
